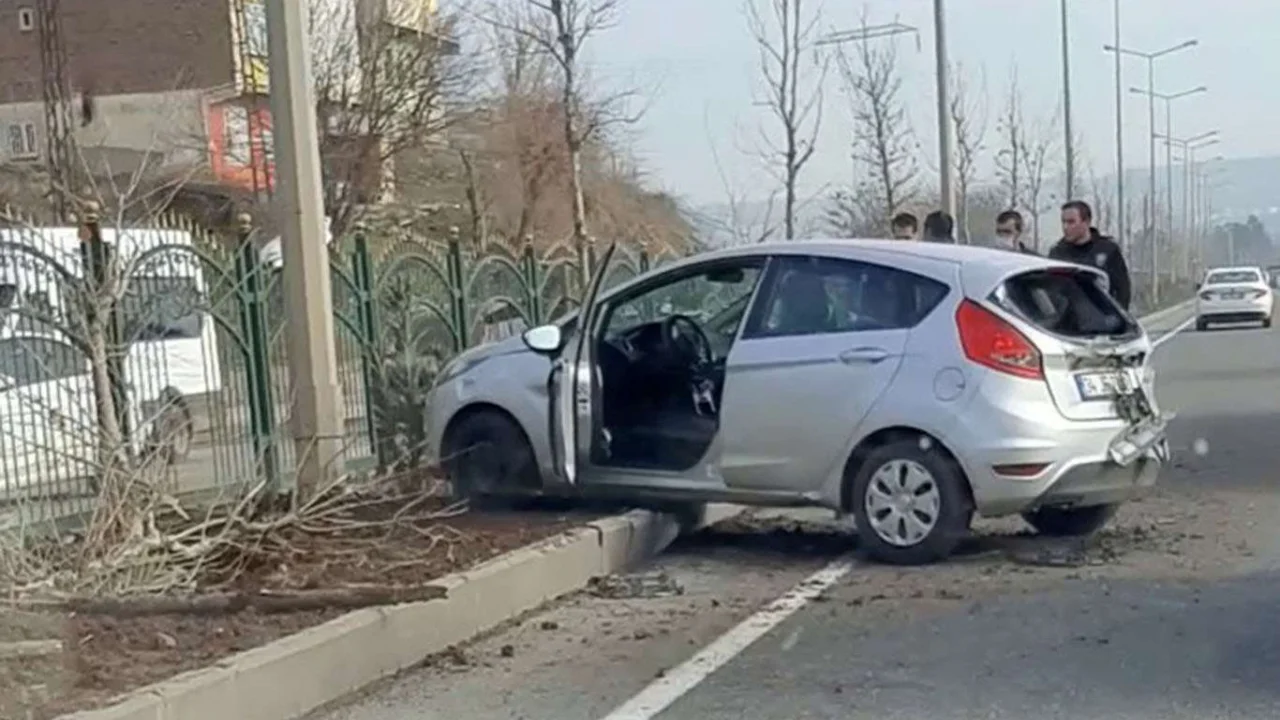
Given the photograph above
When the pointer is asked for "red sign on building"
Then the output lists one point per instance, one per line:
(241, 146)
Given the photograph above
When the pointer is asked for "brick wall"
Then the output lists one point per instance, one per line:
(117, 47)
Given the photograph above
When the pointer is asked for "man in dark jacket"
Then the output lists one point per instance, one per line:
(939, 227)
(1082, 244)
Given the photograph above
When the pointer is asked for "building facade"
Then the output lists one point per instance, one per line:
(174, 83)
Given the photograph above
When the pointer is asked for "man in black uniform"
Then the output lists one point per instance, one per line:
(1082, 244)
(939, 227)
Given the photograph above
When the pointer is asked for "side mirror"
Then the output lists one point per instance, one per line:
(1198, 285)
(544, 339)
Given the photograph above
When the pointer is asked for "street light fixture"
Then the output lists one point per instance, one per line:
(864, 33)
(1188, 146)
(1150, 57)
(1168, 99)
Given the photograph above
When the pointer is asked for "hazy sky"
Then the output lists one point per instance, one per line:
(700, 64)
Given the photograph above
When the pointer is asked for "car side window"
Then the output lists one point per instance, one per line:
(27, 361)
(814, 295)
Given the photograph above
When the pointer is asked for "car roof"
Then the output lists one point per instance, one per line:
(1234, 268)
(980, 266)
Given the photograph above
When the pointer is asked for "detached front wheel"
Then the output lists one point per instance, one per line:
(911, 503)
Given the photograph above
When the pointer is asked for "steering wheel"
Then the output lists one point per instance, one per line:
(683, 338)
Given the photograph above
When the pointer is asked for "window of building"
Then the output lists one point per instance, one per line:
(26, 19)
(22, 141)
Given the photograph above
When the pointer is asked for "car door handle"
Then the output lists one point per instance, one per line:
(868, 355)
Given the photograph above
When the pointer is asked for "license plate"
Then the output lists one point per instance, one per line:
(1232, 295)
(1103, 385)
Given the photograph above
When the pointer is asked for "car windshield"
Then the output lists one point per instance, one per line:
(1224, 277)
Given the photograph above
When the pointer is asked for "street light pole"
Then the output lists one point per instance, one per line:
(1150, 213)
(1069, 143)
(1121, 214)
(313, 365)
(945, 164)
(1188, 147)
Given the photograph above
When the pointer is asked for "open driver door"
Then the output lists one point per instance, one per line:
(574, 386)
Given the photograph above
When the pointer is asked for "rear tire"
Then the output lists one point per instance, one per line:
(1070, 522)
(911, 503)
(1202, 324)
(1266, 323)
(487, 454)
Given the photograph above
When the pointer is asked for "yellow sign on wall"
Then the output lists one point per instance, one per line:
(250, 21)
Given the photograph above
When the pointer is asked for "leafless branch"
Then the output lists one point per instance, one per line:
(793, 72)
(1038, 155)
(384, 91)
(883, 147)
(968, 110)
(1011, 139)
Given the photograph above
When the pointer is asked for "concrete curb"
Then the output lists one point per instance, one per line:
(295, 675)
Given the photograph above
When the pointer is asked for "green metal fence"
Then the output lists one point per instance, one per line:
(187, 328)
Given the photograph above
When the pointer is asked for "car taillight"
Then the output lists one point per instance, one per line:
(992, 342)
(1257, 294)
(1206, 295)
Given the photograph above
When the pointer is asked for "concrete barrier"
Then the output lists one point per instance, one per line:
(293, 676)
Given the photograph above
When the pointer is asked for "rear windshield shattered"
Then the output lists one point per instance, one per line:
(1065, 302)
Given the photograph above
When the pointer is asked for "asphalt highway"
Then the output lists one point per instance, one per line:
(1172, 616)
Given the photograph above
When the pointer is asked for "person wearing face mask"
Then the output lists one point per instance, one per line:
(1082, 244)
(1009, 232)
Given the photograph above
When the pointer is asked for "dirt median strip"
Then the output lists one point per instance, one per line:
(290, 677)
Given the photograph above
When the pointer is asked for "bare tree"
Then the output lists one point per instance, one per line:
(968, 110)
(386, 87)
(1038, 152)
(1011, 131)
(1100, 194)
(793, 72)
(743, 221)
(561, 29)
(524, 109)
(884, 150)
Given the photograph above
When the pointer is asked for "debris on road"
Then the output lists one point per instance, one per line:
(263, 584)
(636, 585)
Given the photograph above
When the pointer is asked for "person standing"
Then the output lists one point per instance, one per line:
(904, 226)
(1082, 244)
(939, 227)
(1009, 228)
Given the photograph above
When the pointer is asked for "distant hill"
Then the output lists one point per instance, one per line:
(1245, 186)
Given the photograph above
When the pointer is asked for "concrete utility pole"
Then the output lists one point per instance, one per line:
(1121, 210)
(1069, 144)
(316, 416)
(946, 163)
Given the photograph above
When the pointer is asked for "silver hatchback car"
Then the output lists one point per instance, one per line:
(909, 384)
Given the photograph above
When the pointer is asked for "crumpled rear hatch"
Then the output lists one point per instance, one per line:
(1095, 354)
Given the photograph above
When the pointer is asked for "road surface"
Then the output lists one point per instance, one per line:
(1171, 615)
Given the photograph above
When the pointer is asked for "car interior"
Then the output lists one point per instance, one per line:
(662, 358)
(663, 350)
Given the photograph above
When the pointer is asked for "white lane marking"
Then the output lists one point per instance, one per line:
(663, 692)
(1171, 334)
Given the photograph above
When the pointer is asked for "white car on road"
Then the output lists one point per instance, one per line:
(910, 384)
(1234, 295)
